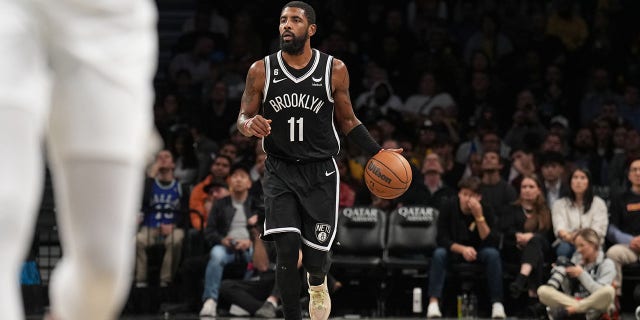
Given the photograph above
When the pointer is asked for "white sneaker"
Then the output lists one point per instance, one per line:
(236, 310)
(319, 301)
(497, 311)
(209, 308)
(638, 313)
(433, 311)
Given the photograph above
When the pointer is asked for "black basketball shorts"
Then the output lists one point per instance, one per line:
(302, 198)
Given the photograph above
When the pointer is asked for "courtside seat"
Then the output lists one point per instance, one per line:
(412, 237)
(357, 260)
(361, 237)
(411, 241)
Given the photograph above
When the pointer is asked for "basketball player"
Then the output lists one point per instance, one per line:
(292, 98)
(79, 72)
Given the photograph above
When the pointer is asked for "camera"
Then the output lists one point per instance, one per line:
(564, 262)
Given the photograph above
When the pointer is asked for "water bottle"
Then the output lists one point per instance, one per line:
(460, 306)
(473, 307)
(465, 306)
(417, 300)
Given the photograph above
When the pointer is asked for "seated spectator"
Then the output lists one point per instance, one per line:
(495, 191)
(466, 233)
(559, 125)
(218, 171)
(227, 235)
(624, 225)
(164, 205)
(490, 40)
(630, 105)
(430, 190)
(620, 162)
(452, 171)
(554, 185)
(196, 61)
(522, 164)
(528, 234)
(257, 296)
(379, 101)
(553, 142)
(583, 284)
(526, 127)
(429, 95)
(580, 209)
(186, 160)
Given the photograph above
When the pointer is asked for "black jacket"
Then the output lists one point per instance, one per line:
(453, 227)
(219, 220)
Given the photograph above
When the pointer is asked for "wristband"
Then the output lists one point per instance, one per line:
(480, 219)
(361, 137)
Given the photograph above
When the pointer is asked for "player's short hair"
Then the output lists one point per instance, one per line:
(308, 10)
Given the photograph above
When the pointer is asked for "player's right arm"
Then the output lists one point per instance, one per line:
(250, 123)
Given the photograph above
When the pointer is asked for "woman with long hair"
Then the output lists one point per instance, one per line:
(527, 234)
(580, 209)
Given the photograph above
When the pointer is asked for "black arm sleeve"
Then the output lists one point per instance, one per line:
(361, 137)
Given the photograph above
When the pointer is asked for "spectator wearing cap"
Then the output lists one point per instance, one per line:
(554, 185)
(560, 126)
(216, 190)
(427, 137)
(227, 235)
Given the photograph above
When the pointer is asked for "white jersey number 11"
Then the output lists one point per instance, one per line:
(292, 129)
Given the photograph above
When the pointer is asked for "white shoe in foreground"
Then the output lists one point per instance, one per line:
(319, 301)
(433, 311)
(497, 311)
(209, 308)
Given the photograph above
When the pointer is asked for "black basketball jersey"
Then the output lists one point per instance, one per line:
(300, 105)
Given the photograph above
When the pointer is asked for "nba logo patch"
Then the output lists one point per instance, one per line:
(323, 231)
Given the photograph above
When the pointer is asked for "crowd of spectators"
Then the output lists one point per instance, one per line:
(501, 90)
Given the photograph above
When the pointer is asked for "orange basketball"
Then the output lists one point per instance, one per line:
(387, 174)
